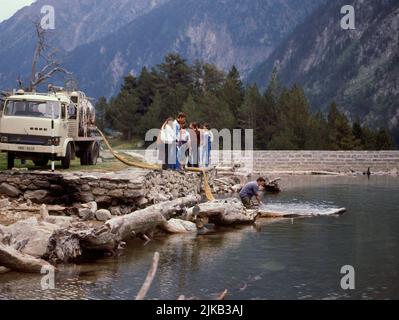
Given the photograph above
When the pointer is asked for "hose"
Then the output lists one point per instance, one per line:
(148, 166)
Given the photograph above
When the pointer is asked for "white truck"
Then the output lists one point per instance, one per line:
(57, 125)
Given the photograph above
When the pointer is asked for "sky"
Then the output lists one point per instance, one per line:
(9, 7)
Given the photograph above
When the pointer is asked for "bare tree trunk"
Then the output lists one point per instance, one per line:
(15, 260)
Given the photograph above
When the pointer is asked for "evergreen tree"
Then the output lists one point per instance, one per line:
(247, 114)
(215, 111)
(101, 108)
(340, 132)
(233, 91)
(190, 108)
(152, 119)
(293, 120)
(384, 140)
(318, 133)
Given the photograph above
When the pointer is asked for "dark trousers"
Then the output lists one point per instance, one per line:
(246, 201)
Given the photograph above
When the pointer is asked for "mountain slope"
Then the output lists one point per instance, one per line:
(77, 22)
(224, 32)
(358, 68)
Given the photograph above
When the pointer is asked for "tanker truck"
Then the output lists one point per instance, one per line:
(57, 125)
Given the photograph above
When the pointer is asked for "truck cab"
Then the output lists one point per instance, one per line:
(57, 125)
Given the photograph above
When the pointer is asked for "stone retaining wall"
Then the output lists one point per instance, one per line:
(129, 188)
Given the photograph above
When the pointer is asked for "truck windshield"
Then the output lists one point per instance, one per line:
(38, 109)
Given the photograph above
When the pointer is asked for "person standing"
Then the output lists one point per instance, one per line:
(194, 145)
(183, 146)
(178, 123)
(251, 189)
(166, 144)
(207, 145)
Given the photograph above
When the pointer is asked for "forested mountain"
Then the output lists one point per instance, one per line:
(77, 22)
(102, 40)
(357, 68)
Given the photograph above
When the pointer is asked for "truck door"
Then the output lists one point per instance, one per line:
(72, 121)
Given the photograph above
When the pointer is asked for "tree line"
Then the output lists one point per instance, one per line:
(280, 116)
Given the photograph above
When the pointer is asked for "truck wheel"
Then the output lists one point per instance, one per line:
(66, 161)
(94, 153)
(41, 162)
(10, 160)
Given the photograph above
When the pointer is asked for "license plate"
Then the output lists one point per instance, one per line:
(26, 148)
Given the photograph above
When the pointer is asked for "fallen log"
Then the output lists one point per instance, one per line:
(15, 260)
(71, 242)
(223, 212)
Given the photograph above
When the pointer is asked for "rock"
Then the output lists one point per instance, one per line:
(92, 205)
(115, 211)
(117, 193)
(86, 197)
(36, 196)
(103, 215)
(133, 193)
(142, 201)
(236, 188)
(103, 199)
(9, 190)
(30, 236)
(4, 203)
(86, 214)
(180, 226)
(99, 191)
(41, 183)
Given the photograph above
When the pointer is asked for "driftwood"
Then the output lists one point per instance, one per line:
(150, 277)
(15, 260)
(56, 239)
(222, 212)
(139, 222)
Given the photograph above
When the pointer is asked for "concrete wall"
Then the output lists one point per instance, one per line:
(340, 161)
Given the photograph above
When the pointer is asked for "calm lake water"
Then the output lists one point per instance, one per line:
(277, 259)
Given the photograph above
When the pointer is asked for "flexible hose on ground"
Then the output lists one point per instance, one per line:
(148, 166)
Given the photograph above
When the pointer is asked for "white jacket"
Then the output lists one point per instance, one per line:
(168, 135)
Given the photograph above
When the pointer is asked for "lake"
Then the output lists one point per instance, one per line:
(276, 259)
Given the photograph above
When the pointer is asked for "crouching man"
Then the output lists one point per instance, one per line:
(251, 189)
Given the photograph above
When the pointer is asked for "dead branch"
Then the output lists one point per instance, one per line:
(42, 52)
(223, 295)
(150, 277)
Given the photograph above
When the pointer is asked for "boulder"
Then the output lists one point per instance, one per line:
(9, 190)
(86, 197)
(179, 226)
(4, 203)
(86, 214)
(37, 195)
(116, 211)
(103, 215)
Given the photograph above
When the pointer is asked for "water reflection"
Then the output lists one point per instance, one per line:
(275, 259)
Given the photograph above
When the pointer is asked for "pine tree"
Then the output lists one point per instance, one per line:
(215, 111)
(247, 114)
(318, 133)
(190, 108)
(152, 119)
(293, 120)
(340, 132)
(384, 140)
(233, 91)
(101, 108)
